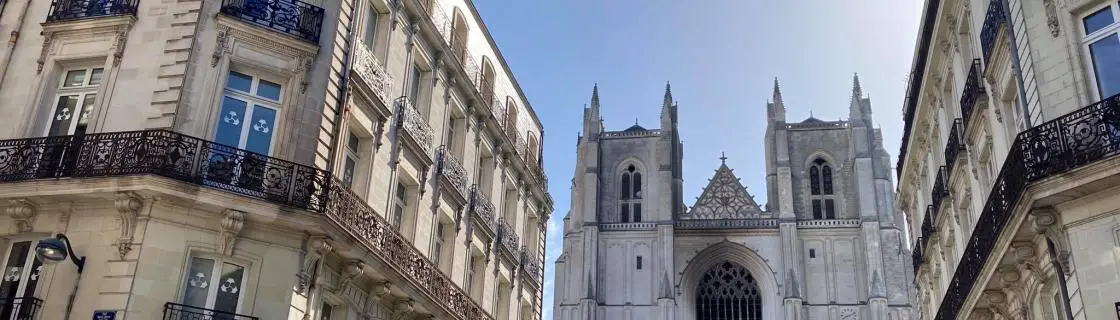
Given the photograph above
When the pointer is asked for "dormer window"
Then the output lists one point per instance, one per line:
(630, 195)
(820, 190)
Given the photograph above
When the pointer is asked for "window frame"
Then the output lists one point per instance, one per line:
(1088, 39)
(30, 265)
(630, 194)
(822, 189)
(215, 279)
(81, 92)
(438, 244)
(400, 207)
(252, 99)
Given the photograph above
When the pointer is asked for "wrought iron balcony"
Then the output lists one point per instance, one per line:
(1072, 141)
(498, 110)
(928, 229)
(66, 10)
(940, 189)
(507, 237)
(193, 160)
(293, 17)
(165, 153)
(483, 209)
(26, 308)
(917, 256)
(973, 94)
(531, 266)
(175, 311)
(994, 20)
(371, 72)
(451, 169)
(520, 146)
(953, 146)
(414, 125)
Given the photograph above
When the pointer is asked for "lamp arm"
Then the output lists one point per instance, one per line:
(80, 262)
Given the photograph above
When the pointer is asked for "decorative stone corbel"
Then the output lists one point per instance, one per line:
(995, 298)
(128, 208)
(316, 248)
(423, 182)
(305, 64)
(350, 271)
(1045, 221)
(221, 45)
(403, 307)
(980, 314)
(118, 44)
(48, 39)
(23, 212)
(381, 290)
(1051, 18)
(378, 131)
(231, 226)
(1009, 275)
(397, 8)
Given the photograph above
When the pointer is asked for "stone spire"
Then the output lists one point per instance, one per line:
(668, 95)
(776, 109)
(592, 122)
(857, 91)
(668, 110)
(855, 109)
(777, 92)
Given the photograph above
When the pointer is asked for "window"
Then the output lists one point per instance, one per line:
(349, 167)
(488, 82)
(472, 273)
(812, 253)
(630, 195)
(74, 101)
(511, 115)
(459, 34)
(639, 262)
(1102, 45)
(533, 148)
(21, 277)
(820, 190)
(369, 34)
(248, 114)
(214, 284)
(399, 205)
(326, 312)
(414, 89)
(1059, 307)
(437, 245)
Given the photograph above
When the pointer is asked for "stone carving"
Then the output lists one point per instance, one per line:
(221, 45)
(23, 212)
(350, 271)
(725, 197)
(48, 39)
(1051, 18)
(231, 226)
(118, 44)
(316, 248)
(128, 208)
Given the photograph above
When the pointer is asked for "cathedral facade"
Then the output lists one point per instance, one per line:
(828, 245)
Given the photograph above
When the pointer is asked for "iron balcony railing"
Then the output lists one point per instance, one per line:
(953, 147)
(507, 237)
(928, 228)
(193, 160)
(531, 266)
(973, 94)
(917, 256)
(65, 10)
(26, 308)
(370, 71)
(1067, 143)
(483, 210)
(450, 168)
(175, 311)
(940, 189)
(293, 17)
(994, 20)
(414, 124)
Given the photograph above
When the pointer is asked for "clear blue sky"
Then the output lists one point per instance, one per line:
(721, 58)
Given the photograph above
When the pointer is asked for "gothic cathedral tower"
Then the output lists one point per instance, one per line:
(828, 245)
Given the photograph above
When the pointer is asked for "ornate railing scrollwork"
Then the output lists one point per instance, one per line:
(64, 10)
(940, 189)
(451, 168)
(927, 228)
(371, 71)
(1069, 142)
(531, 266)
(182, 311)
(498, 110)
(520, 146)
(953, 146)
(507, 237)
(483, 209)
(414, 125)
(917, 256)
(994, 19)
(973, 93)
(293, 17)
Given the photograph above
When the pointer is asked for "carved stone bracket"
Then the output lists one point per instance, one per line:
(231, 226)
(350, 271)
(1045, 222)
(1051, 18)
(378, 131)
(305, 64)
(221, 45)
(403, 307)
(119, 42)
(23, 212)
(316, 248)
(128, 208)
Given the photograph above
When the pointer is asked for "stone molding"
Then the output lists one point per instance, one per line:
(231, 225)
(23, 213)
(128, 206)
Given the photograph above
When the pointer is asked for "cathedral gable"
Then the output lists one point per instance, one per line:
(725, 197)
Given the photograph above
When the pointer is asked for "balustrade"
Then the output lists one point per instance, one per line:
(450, 168)
(483, 208)
(293, 17)
(65, 10)
(953, 147)
(371, 71)
(507, 237)
(531, 266)
(175, 311)
(940, 189)
(414, 125)
(994, 20)
(973, 93)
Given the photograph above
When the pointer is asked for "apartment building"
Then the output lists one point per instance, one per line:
(265, 159)
(1008, 168)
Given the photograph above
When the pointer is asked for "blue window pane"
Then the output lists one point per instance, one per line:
(261, 130)
(268, 90)
(1106, 64)
(239, 81)
(230, 122)
(1098, 20)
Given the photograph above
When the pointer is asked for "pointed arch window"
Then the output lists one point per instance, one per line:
(630, 195)
(820, 190)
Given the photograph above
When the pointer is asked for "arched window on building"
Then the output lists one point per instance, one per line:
(630, 195)
(728, 291)
(511, 116)
(820, 190)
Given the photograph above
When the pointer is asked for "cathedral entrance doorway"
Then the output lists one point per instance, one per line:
(728, 291)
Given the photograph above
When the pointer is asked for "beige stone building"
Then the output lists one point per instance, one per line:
(1008, 168)
(265, 159)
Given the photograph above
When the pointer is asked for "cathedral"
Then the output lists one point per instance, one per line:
(827, 245)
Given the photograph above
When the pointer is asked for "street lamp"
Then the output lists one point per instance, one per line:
(54, 250)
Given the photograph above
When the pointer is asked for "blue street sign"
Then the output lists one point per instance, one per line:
(105, 315)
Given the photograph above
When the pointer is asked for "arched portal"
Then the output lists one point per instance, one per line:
(728, 291)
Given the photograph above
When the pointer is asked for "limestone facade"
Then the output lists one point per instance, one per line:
(828, 245)
(274, 159)
(1008, 161)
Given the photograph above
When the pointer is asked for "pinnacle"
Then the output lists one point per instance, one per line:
(777, 92)
(595, 96)
(668, 94)
(857, 91)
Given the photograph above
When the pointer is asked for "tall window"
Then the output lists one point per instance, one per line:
(414, 89)
(214, 284)
(1102, 46)
(511, 114)
(459, 34)
(400, 203)
(21, 277)
(532, 147)
(472, 275)
(488, 81)
(630, 195)
(437, 245)
(820, 190)
(353, 145)
(76, 97)
(248, 115)
(369, 32)
(326, 312)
